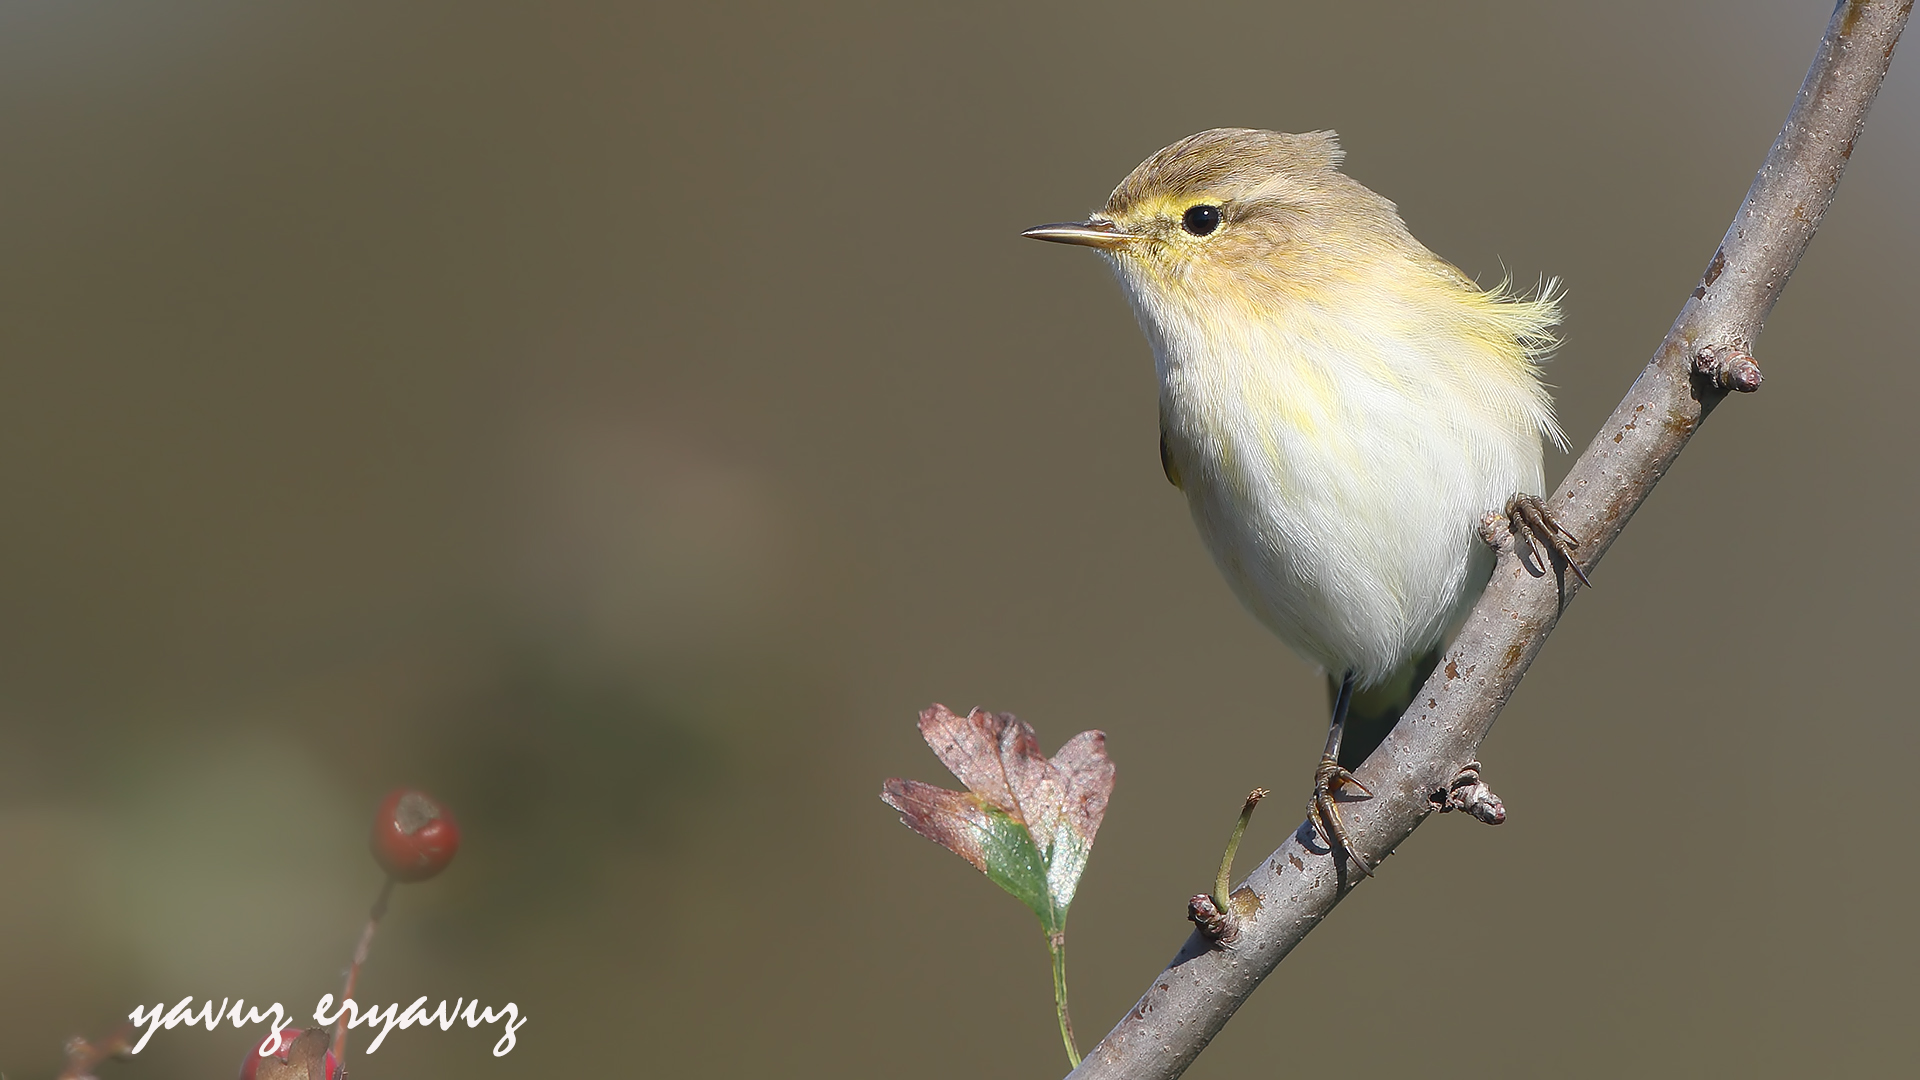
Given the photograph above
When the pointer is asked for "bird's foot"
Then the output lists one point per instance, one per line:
(1533, 525)
(1324, 811)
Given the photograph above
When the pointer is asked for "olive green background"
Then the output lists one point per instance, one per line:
(620, 420)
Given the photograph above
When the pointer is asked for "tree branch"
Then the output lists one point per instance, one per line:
(1706, 355)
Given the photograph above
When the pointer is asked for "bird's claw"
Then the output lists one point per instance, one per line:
(1532, 524)
(1324, 811)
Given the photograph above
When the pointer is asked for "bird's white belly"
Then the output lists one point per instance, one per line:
(1345, 516)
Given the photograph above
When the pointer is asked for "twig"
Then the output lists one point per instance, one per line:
(1222, 896)
(1212, 912)
(1707, 354)
(374, 915)
(83, 1055)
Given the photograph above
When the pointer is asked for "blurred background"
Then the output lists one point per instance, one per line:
(620, 420)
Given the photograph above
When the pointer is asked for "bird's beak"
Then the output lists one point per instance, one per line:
(1094, 234)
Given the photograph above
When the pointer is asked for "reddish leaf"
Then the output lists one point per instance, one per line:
(1026, 822)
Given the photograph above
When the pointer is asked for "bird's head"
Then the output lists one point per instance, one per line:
(1236, 214)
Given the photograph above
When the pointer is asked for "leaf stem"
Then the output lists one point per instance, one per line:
(1057, 945)
(1221, 900)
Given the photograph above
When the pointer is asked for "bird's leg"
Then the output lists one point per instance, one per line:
(1529, 520)
(1324, 812)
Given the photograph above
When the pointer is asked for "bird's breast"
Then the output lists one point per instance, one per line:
(1338, 471)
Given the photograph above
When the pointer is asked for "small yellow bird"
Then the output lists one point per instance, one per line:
(1340, 405)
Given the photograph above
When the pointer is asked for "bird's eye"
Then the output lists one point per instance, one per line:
(1201, 220)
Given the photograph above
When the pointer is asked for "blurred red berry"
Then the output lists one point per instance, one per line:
(283, 1041)
(414, 837)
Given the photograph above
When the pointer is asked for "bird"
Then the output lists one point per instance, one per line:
(1341, 407)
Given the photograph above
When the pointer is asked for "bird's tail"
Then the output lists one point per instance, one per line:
(1375, 709)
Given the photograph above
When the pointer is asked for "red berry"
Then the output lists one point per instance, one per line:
(283, 1041)
(414, 837)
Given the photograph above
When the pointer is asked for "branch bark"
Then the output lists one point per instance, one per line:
(1706, 355)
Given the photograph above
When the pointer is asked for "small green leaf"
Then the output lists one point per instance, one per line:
(1015, 865)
